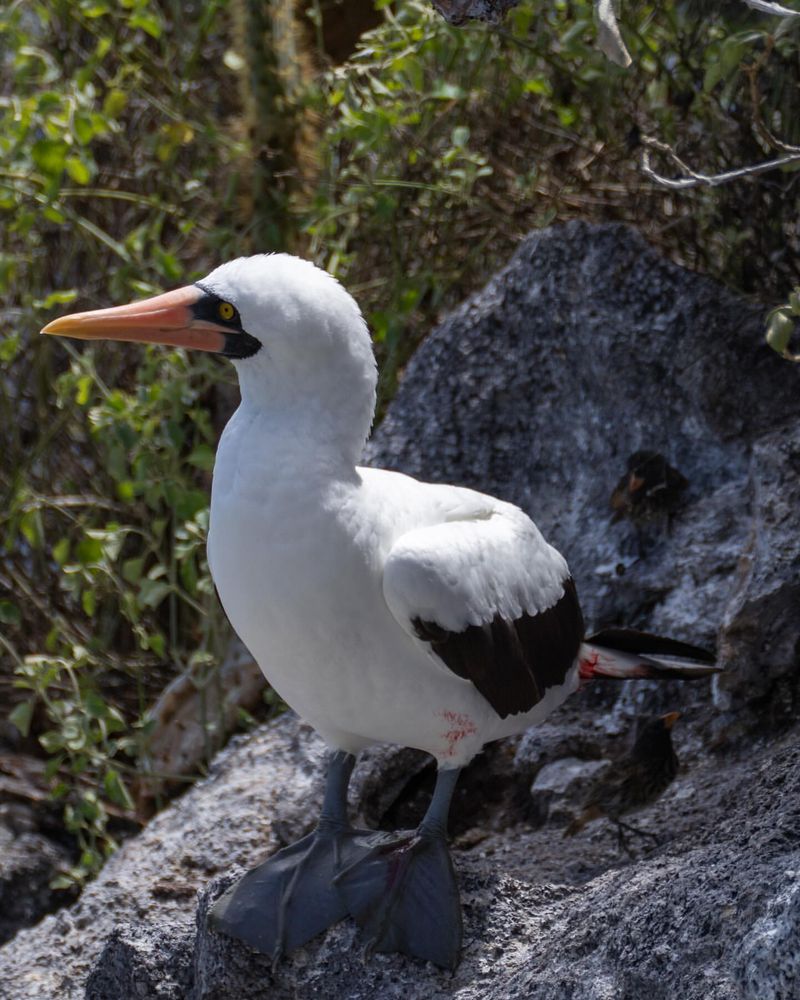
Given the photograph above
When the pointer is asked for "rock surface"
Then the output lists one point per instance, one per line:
(709, 914)
(585, 349)
(28, 863)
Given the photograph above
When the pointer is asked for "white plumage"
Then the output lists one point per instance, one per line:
(322, 567)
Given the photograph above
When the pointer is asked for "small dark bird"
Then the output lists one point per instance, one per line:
(650, 488)
(635, 780)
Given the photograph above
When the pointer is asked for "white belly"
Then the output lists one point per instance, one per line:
(299, 570)
(313, 615)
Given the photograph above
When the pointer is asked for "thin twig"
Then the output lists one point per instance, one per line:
(694, 178)
(759, 126)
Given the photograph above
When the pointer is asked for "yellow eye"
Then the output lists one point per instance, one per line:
(226, 311)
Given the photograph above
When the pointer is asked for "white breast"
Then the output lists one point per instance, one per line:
(298, 556)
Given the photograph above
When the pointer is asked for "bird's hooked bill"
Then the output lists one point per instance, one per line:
(171, 319)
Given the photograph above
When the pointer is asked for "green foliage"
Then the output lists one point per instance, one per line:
(113, 175)
(781, 326)
(443, 146)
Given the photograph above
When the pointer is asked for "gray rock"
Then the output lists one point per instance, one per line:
(142, 963)
(28, 863)
(761, 628)
(676, 922)
(263, 792)
(551, 741)
(672, 923)
(561, 784)
(770, 962)
(224, 969)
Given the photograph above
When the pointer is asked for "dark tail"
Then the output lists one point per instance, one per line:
(622, 653)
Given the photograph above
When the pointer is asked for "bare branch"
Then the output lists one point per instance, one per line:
(693, 178)
(772, 8)
(759, 125)
(609, 39)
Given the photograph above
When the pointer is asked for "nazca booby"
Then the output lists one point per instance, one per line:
(382, 609)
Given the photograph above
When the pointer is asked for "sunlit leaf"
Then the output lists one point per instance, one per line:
(21, 716)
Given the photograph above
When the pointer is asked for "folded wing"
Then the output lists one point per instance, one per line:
(493, 600)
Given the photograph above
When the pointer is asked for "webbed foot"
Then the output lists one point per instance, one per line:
(290, 898)
(403, 893)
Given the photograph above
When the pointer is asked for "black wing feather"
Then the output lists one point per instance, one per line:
(513, 663)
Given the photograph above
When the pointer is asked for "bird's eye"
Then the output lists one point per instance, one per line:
(226, 311)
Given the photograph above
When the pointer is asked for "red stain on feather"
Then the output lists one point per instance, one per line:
(587, 665)
(460, 726)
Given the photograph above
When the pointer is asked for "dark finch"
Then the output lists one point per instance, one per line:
(635, 780)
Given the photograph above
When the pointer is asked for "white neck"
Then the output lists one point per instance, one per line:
(325, 412)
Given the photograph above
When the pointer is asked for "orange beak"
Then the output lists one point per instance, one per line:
(164, 319)
(670, 719)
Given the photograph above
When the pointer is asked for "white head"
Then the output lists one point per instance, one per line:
(296, 337)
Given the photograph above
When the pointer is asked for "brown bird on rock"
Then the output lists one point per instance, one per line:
(634, 781)
(650, 489)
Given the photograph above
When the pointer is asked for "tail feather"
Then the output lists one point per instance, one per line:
(630, 640)
(625, 653)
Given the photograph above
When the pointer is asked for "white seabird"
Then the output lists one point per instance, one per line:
(382, 609)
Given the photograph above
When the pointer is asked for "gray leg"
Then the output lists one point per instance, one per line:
(403, 891)
(290, 898)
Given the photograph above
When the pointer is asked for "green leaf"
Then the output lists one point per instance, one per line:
(153, 592)
(88, 551)
(780, 328)
(60, 298)
(78, 170)
(202, 456)
(52, 214)
(189, 502)
(49, 155)
(132, 570)
(95, 705)
(9, 613)
(116, 790)
(21, 716)
(63, 881)
(52, 741)
(147, 22)
(10, 347)
(83, 390)
(115, 103)
(167, 264)
(157, 643)
(60, 551)
(126, 490)
(84, 128)
(89, 602)
(447, 91)
(31, 527)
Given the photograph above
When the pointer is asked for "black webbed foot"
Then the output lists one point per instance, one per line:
(403, 893)
(290, 898)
